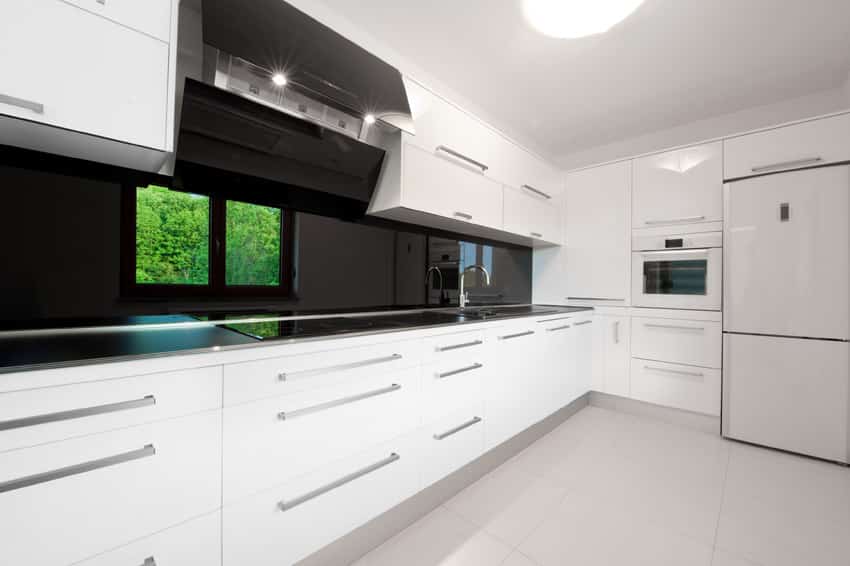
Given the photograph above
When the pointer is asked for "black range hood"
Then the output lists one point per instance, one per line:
(282, 110)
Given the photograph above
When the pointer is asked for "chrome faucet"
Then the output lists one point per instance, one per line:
(463, 296)
(434, 269)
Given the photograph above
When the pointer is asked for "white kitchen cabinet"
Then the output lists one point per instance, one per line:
(152, 17)
(106, 80)
(531, 214)
(194, 543)
(598, 234)
(612, 355)
(559, 368)
(66, 501)
(690, 342)
(679, 386)
(450, 442)
(812, 143)
(678, 187)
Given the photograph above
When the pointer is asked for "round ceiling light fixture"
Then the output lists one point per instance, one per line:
(569, 19)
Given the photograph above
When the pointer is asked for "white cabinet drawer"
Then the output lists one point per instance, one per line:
(450, 385)
(105, 80)
(458, 345)
(451, 442)
(271, 441)
(678, 187)
(69, 500)
(801, 145)
(37, 416)
(249, 381)
(532, 216)
(194, 543)
(152, 17)
(437, 183)
(671, 385)
(287, 523)
(691, 342)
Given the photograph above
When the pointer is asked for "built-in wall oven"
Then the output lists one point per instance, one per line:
(677, 271)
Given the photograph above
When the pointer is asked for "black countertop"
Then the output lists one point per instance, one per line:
(95, 341)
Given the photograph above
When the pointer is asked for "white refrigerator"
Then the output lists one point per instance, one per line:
(786, 312)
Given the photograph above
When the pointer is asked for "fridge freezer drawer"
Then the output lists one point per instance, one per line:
(788, 393)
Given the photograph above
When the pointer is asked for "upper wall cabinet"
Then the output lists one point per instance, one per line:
(598, 234)
(807, 144)
(679, 187)
(452, 175)
(88, 79)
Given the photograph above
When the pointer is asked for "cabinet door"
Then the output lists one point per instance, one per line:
(531, 215)
(617, 354)
(447, 187)
(598, 233)
(583, 357)
(66, 67)
(152, 17)
(678, 187)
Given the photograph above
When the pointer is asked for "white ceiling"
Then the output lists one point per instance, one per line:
(671, 62)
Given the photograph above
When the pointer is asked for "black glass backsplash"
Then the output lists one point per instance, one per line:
(60, 248)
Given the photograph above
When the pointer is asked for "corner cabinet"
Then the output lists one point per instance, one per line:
(458, 174)
(105, 94)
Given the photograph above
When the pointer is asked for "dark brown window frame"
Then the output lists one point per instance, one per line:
(216, 287)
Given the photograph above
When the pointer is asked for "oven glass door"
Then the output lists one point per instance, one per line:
(675, 277)
(683, 279)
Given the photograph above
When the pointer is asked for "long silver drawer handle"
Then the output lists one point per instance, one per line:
(283, 376)
(286, 415)
(287, 505)
(520, 335)
(670, 220)
(458, 346)
(463, 215)
(786, 164)
(77, 469)
(149, 561)
(616, 332)
(554, 319)
(536, 234)
(457, 429)
(583, 322)
(457, 371)
(675, 371)
(674, 327)
(462, 157)
(36, 107)
(697, 251)
(592, 299)
(555, 329)
(147, 401)
(537, 191)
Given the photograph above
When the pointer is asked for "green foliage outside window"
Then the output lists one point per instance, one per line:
(253, 245)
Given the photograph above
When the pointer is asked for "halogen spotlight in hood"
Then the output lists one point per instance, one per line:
(568, 19)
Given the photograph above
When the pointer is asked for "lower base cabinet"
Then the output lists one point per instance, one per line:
(194, 543)
(690, 388)
(451, 442)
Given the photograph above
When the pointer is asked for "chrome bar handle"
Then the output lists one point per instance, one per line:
(536, 234)
(457, 429)
(519, 335)
(583, 322)
(287, 415)
(674, 327)
(592, 299)
(463, 215)
(149, 561)
(537, 192)
(147, 401)
(295, 502)
(36, 107)
(787, 164)
(458, 346)
(674, 220)
(675, 372)
(556, 328)
(462, 157)
(283, 376)
(458, 371)
(554, 319)
(616, 332)
(77, 469)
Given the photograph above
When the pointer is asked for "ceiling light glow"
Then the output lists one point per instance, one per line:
(369, 119)
(279, 79)
(568, 19)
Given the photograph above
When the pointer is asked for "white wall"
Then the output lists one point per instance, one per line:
(825, 102)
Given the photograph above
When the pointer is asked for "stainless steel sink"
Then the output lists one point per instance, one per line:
(485, 313)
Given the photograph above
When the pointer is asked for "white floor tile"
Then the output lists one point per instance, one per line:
(518, 559)
(723, 558)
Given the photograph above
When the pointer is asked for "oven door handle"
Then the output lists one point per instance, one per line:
(699, 251)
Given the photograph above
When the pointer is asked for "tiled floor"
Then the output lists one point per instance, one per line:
(608, 488)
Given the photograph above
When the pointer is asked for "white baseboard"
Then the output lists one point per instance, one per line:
(696, 421)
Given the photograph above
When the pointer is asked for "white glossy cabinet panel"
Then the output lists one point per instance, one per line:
(788, 393)
(88, 85)
(194, 543)
(788, 276)
(73, 499)
(452, 441)
(598, 233)
(679, 386)
(678, 187)
(152, 17)
(532, 215)
(612, 355)
(691, 342)
(806, 144)
(559, 371)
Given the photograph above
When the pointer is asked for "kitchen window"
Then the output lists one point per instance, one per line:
(183, 244)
